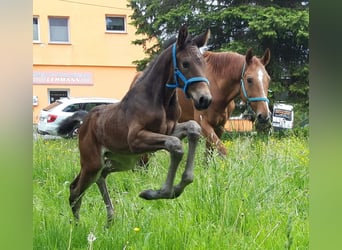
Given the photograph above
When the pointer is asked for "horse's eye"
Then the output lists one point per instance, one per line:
(185, 65)
(249, 80)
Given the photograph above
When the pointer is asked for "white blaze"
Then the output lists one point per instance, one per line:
(261, 77)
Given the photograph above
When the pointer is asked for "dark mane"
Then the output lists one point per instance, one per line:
(219, 61)
(151, 64)
(151, 67)
(169, 42)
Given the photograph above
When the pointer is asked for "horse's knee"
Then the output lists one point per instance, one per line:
(194, 129)
(174, 145)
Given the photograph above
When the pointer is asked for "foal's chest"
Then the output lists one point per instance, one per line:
(162, 126)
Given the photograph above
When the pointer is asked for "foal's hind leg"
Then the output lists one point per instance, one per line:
(193, 130)
(75, 200)
(77, 189)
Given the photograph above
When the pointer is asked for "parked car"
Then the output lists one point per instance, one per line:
(52, 115)
(282, 117)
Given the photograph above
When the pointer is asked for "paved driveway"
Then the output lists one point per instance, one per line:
(45, 137)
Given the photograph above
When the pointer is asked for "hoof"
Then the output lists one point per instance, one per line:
(149, 195)
(178, 191)
(155, 195)
(222, 150)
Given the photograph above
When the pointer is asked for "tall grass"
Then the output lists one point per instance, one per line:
(256, 198)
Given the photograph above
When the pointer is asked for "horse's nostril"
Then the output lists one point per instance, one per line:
(203, 102)
(262, 118)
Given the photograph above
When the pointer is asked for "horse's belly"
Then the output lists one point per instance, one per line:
(120, 162)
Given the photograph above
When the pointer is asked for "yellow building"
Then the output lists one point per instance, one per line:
(82, 48)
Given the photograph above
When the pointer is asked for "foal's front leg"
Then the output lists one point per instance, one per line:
(146, 141)
(174, 146)
(193, 130)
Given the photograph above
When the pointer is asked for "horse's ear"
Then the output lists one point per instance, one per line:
(249, 55)
(182, 36)
(265, 59)
(202, 39)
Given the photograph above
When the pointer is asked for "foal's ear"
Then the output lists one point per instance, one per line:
(265, 59)
(249, 55)
(182, 36)
(202, 39)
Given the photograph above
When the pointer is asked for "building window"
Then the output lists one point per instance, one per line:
(54, 95)
(36, 37)
(59, 29)
(116, 24)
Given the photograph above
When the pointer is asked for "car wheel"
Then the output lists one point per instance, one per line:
(74, 132)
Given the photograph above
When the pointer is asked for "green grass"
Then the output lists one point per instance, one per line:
(256, 198)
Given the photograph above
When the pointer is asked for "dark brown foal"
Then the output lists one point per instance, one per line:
(113, 137)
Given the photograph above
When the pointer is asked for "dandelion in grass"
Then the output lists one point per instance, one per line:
(228, 144)
(91, 238)
(222, 166)
(136, 229)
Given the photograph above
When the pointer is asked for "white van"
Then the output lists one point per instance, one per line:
(282, 117)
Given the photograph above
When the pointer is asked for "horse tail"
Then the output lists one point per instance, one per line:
(69, 124)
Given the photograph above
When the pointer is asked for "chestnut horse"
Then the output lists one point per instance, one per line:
(112, 137)
(230, 75)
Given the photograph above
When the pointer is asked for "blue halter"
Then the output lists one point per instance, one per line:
(177, 73)
(250, 99)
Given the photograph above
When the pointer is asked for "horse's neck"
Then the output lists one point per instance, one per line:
(228, 74)
(234, 83)
(155, 80)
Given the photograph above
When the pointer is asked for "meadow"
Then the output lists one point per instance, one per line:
(256, 198)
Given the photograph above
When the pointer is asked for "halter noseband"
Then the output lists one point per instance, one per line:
(250, 99)
(177, 73)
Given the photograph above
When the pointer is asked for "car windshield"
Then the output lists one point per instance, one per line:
(52, 105)
(283, 114)
(73, 107)
(89, 106)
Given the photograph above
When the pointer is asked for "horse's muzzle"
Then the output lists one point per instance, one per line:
(203, 102)
(263, 118)
(263, 123)
(199, 92)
